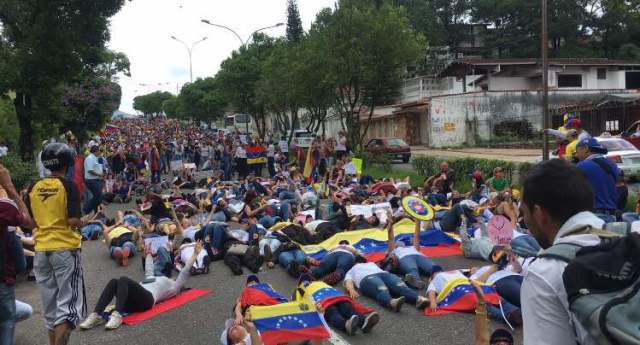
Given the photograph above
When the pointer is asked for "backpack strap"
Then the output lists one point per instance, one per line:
(606, 167)
(565, 252)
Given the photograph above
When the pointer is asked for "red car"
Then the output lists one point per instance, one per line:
(631, 136)
(395, 148)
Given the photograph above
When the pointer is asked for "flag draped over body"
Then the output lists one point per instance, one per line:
(372, 243)
(256, 155)
(459, 296)
(286, 322)
(260, 294)
(325, 295)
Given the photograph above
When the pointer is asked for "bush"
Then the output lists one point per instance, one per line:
(370, 160)
(514, 128)
(22, 173)
(464, 167)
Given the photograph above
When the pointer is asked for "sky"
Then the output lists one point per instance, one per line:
(143, 29)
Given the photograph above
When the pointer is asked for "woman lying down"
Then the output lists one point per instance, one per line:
(132, 297)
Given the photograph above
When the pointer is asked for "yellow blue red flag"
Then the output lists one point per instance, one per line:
(282, 323)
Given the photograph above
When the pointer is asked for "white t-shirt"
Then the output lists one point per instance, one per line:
(312, 225)
(361, 271)
(441, 279)
(186, 251)
(240, 152)
(493, 278)
(401, 252)
(345, 248)
(91, 163)
(3, 151)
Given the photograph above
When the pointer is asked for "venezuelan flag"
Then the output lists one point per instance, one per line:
(308, 165)
(256, 155)
(260, 294)
(287, 322)
(326, 295)
(372, 243)
(459, 296)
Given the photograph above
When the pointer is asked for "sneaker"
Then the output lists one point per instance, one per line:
(117, 255)
(95, 235)
(294, 269)
(369, 321)
(332, 278)
(414, 281)
(115, 320)
(268, 255)
(353, 324)
(91, 321)
(422, 302)
(125, 257)
(396, 304)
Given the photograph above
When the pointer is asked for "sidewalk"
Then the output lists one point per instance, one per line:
(513, 155)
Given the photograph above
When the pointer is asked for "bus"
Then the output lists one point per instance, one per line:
(242, 122)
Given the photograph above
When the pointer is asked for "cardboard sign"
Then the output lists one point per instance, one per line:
(243, 138)
(284, 145)
(449, 126)
(500, 229)
(157, 242)
(350, 168)
(190, 166)
(357, 162)
(176, 165)
(369, 210)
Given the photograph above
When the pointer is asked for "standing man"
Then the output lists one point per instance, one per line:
(13, 212)
(602, 175)
(92, 179)
(556, 204)
(54, 203)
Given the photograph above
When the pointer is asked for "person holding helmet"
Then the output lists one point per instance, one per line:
(54, 204)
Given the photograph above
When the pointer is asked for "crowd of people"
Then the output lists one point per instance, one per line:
(190, 197)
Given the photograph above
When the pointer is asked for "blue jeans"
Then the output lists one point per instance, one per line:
(525, 246)
(160, 263)
(338, 314)
(415, 264)
(340, 262)
(215, 234)
(496, 314)
(630, 217)
(286, 258)
(509, 288)
(155, 177)
(607, 218)
(381, 286)
(89, 230)
(286, 195)
(7, 313)
(95, 187)
(219, 217)
(128, 245)
(437, 199)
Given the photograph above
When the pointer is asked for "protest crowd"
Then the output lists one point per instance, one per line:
(556, 249)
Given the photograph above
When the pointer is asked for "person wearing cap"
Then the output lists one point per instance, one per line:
(556, 202)
(93, 174)
(410, 261)
(602, 175)
(255, 293)
(386, 288)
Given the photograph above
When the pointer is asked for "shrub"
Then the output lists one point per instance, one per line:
(22, 173)
(514, 128)
(371, 160)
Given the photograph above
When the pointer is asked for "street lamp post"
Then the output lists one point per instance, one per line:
(189, 51)
(545, 82)
(243, 43)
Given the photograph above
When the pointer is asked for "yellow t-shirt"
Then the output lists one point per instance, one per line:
(116, 232)
(52, 201)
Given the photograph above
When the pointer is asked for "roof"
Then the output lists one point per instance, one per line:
(553, 62)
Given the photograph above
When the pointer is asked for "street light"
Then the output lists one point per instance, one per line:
(189, 50)
(242, 42)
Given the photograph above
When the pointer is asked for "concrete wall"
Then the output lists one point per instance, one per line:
(460, 119)
(615, 78)
(510, 83)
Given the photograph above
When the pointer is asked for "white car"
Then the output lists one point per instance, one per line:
(623, 153)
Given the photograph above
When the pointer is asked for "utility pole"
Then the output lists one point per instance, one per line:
(545, 82)
(189, 51)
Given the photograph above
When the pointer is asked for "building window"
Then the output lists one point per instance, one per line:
(602, 73)
(612, 126)
(569, 80)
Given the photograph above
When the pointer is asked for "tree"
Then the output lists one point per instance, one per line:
(367, 49)
(151, 104)
(45, 44)
(295, 32)
(201, 100)
(170, 107)
(239, 76)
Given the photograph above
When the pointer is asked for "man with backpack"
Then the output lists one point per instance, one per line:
(602, 175)
(557, 199)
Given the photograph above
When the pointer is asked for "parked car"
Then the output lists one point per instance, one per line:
(303, 138)
(395, 148)
(632, 134)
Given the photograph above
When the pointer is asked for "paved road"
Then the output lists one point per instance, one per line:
(201, 321)
(514, 155)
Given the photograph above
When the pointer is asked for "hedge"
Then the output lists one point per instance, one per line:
(22, 173)
(464, 167)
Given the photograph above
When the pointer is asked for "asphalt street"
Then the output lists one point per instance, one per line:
(201, 321)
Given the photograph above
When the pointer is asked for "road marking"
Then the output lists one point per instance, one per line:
(337, 339)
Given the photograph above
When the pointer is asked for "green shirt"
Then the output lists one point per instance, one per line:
(498, 185)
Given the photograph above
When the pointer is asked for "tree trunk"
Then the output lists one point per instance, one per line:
(24, 109)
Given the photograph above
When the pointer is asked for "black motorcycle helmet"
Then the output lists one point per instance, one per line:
(57, 156)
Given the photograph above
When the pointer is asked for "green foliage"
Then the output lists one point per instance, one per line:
(151, 104)
(22, 173)
(201, 100)
(514, 171)
(9, 130)
(378, 173)
(170, 107)
(370, 160)
(295, 32)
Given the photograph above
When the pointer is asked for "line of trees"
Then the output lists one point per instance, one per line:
(352, 60)
(56, 69)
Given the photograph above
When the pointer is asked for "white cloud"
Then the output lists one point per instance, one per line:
(142, 30)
